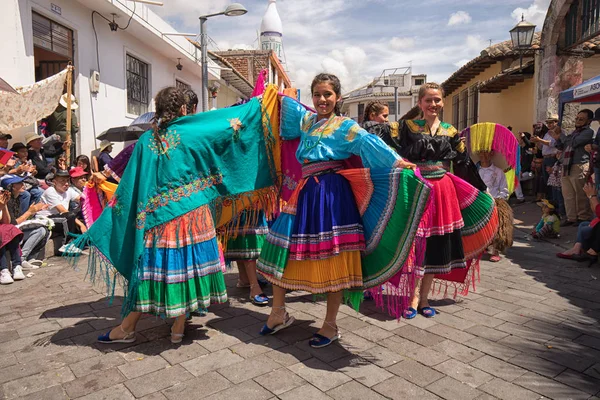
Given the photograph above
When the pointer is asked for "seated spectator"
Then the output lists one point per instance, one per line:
(39, 156)
(78, 180)
(35, 231)
(584, 231)
(104, 157)
(10, 237)
(24, 168)
(4, 138)
(84, 163)
(549, 225)
(58, 198)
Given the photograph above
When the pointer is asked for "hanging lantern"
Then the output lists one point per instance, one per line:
(522, 34)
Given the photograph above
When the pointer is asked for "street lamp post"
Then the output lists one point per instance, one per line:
(233, 10)
(522, 37)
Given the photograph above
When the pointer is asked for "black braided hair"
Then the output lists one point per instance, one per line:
(375, 107)
(335, 85)
(191, 100)
(168, 102)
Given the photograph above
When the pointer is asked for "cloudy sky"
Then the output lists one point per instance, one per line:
(357, 39)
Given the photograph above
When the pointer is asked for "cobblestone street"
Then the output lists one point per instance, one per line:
(529, 331)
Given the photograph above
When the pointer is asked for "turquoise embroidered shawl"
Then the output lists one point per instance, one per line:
(208, 158)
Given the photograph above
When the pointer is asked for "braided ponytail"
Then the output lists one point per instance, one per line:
(168, 102)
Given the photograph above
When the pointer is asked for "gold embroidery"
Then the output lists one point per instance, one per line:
(394, 129)
(352, 132)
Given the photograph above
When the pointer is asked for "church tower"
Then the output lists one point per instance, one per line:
(271, 31)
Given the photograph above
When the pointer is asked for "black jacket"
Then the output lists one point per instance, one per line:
(41, 164)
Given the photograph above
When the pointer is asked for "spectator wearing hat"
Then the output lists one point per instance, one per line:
(104, 157)
(58, 198)
(78, 180)
(10, 237)
(24, 168)
(39, 156)
(35, 233)
(57, 121)
(549, 150)
(576, 156)
(4, 138)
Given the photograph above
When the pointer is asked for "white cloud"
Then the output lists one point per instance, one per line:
(535, 13)
(351, 38)
(459, 17)
(401, 43)
(476, 43)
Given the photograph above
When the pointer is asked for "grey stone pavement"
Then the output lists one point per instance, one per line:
(529, 331)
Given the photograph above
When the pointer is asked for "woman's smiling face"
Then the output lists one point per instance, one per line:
(324, 99)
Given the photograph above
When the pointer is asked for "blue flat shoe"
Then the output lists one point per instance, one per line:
(410, 313)
(319, 341)
(271, 331)
(128, 338)
(427, 312)
(260, 300)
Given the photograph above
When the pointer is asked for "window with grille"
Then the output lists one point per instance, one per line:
(455, 112)
(361, 112)
(590, 18)
(419, 81)
(181, 85)
(463, 109)
(392, 107)
(582, 21)
(49, 35)
(137, 86)
(473, 106)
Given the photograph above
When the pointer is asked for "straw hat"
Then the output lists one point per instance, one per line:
(104, 144)
(552, 117)
(31, 136)
(545, 203)
(63, 102)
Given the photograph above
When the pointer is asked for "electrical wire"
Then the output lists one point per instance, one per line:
(130, 18)
(109, 21)
(96, 36)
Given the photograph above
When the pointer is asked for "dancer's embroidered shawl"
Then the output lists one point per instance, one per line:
(218, 158)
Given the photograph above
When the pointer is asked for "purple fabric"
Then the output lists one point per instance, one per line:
(117, 165)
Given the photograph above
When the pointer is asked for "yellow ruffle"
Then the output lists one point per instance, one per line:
(323, 276)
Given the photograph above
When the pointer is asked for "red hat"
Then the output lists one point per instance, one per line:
(76, 172)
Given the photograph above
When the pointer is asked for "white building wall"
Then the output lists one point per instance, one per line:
(107, 108)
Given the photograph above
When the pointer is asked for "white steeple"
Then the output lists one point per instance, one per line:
(271, 31)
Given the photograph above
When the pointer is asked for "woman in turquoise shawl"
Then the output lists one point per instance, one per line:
(158, 231)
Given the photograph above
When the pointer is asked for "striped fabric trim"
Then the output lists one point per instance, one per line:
(182, 274)
(379, 229)
(351, 284)
(441, 230)
(151, 307)
(317, 168)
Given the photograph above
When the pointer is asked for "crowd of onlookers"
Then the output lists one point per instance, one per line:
(564, 168)
(40, 199)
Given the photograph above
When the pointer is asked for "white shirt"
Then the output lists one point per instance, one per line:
(53, 199)
(75, 191)
(495, 180)
(549, 150)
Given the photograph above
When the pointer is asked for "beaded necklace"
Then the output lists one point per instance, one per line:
(307, 142)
